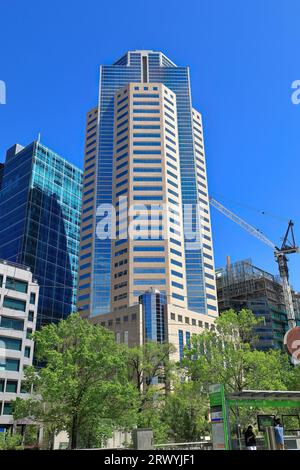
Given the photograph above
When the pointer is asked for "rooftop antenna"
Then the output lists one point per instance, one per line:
(39, 137)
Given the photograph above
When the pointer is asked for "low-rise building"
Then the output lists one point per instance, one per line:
(18, 311)
(153, 319)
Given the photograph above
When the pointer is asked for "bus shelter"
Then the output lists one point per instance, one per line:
(224, 412)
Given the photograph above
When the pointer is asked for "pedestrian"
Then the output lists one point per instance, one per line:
(250, 439)
(279, 436)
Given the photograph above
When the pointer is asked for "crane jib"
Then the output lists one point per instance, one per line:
(288, 247)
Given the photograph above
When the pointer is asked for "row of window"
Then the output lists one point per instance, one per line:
(15, 284)
(118, 320)
(14, 323)
(192, 321)
(18, 304)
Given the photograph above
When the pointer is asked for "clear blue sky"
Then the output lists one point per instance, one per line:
(243, 56)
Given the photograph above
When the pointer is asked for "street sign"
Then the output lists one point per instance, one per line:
(218, 417)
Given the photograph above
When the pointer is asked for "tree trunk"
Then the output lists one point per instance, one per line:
(74, 432)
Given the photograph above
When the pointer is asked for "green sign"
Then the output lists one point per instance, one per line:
(218, 416)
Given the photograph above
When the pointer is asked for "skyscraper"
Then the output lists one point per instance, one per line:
(40, 206)
(144, 155)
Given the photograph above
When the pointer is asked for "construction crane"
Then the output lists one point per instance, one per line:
(288, 247)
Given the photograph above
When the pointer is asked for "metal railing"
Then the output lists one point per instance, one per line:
(200, 445)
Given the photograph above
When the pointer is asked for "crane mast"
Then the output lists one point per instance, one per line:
(288, 247)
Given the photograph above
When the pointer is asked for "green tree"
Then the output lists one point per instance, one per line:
(10, 441)
(151, 369)
(148, 362)
(227, 356)
(186, 413)
(84, 384)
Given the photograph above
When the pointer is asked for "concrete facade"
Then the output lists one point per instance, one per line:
(129, 326)
(18, 312)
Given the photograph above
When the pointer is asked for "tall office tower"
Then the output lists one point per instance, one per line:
(40, 206)
(18, 313)
(145, 156)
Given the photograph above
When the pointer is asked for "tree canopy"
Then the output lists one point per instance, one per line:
(83, 385)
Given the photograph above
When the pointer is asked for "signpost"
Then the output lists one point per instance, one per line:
(218, 416)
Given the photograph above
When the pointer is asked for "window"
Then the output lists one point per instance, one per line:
(212, 307)
(146, 103)
(14, 284)
(27, 351)
(126, 338)
(7, 408)
(147, 188)
(149, 271)
(1, 385)
(146, 144)
(146, 111)
(173, 316)
(176, 242)
(176, 284)
(146, 135)
(11, 386)
(193, 322)
(146, 160)
(32, 298)
(210, 296)
(176, 263)
(147, 197)
(187, 320)
(14, 304)
(148, 259)
(144, 282)
(24, 388)
(177, 296)
(188, 339)
(180, 318)
(148, 95)
(11, 323)
(146, 118)
(146, 126)
(148, 248)
(147, 152)
(151, 179)
(180, 341)
(28, 333)
(12, 365)
(10, 343)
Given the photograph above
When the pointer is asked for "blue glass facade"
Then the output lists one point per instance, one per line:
(154, 321)
(40, 205)
(159, 70)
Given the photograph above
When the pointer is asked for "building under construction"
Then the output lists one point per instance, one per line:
(243, 285)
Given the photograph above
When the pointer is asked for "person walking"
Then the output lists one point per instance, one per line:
(250, 439)
(279, 434)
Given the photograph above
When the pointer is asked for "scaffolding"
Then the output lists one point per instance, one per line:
(243, 285)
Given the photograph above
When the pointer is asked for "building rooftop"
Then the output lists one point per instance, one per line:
(123, 60)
